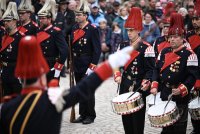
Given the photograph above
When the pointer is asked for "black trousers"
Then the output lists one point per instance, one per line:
(180, 126)
(196, 126)
(86, 105)
(134, 123)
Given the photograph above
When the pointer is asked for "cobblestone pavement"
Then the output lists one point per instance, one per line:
(106, 121)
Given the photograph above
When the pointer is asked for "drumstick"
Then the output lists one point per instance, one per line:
(169, 98)
(135, 91)
(154, 99)
(118, 88)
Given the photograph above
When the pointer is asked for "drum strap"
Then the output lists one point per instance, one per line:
(38, 94)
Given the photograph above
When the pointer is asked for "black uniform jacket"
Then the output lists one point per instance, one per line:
(44, 118)
(86, 47)
(174, 68)
(53, 44)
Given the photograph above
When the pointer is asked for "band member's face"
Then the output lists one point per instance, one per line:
(196, 22)
(44, 21)
(9, 25)
(165, 30)
(24, 16)
(132, 34)
(175, 41)
(80, 17)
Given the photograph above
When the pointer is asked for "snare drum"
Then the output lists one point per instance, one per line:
(151, 99)
(194, 109)
(122, 106)
(158, 118)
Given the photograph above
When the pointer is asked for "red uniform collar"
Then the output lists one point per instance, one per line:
(27, 90)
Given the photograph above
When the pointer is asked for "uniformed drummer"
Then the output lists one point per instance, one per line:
(193, 37)
(176, 73)
(137, 72)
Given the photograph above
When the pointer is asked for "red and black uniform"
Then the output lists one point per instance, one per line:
(44, 118)
(54, 48)
(160, 44)
(139, 68)
(86, 49)
(194, 41)
(8, 57)
(30, 28)
(176, 69)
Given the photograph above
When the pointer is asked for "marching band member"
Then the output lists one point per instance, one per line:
(162, 41)
(176, 73)
(39, 111)
(86, 51)
(138, 71)
(27, 26)
(52, 40)
(9, 50)
(193, 37)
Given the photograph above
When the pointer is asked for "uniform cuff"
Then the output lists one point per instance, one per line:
(104, 70)
(92, 66)
(197, 84)
(183, 90)
(117, 74)
(154, 84)
(58, 66)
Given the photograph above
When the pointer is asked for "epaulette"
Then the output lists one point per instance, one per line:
(93, 25)
(149, 52)
(57, 28)
(192, 60)
(35, 24)
(146, 43)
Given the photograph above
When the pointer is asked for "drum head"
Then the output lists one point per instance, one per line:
(194, 104)
(157, 110)
(123, 97)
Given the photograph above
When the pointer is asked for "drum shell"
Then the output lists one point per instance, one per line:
(129, 106)
(165, 119)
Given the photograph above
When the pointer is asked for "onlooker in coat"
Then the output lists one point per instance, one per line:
(105, 36)
(150, 29)
(121, 19)
(116, 37)
(95, 15)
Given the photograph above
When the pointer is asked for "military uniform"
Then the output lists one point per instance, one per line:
(54, 47)
(44, 117)
(29, 29)
(8, 56)
(160, 44)
(194, 41)
(176, 69)
(139, 67)
(86, 52)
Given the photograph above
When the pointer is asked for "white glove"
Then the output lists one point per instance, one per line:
(56, 95)
(120, 58)
(89, 71)
(57, 72)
